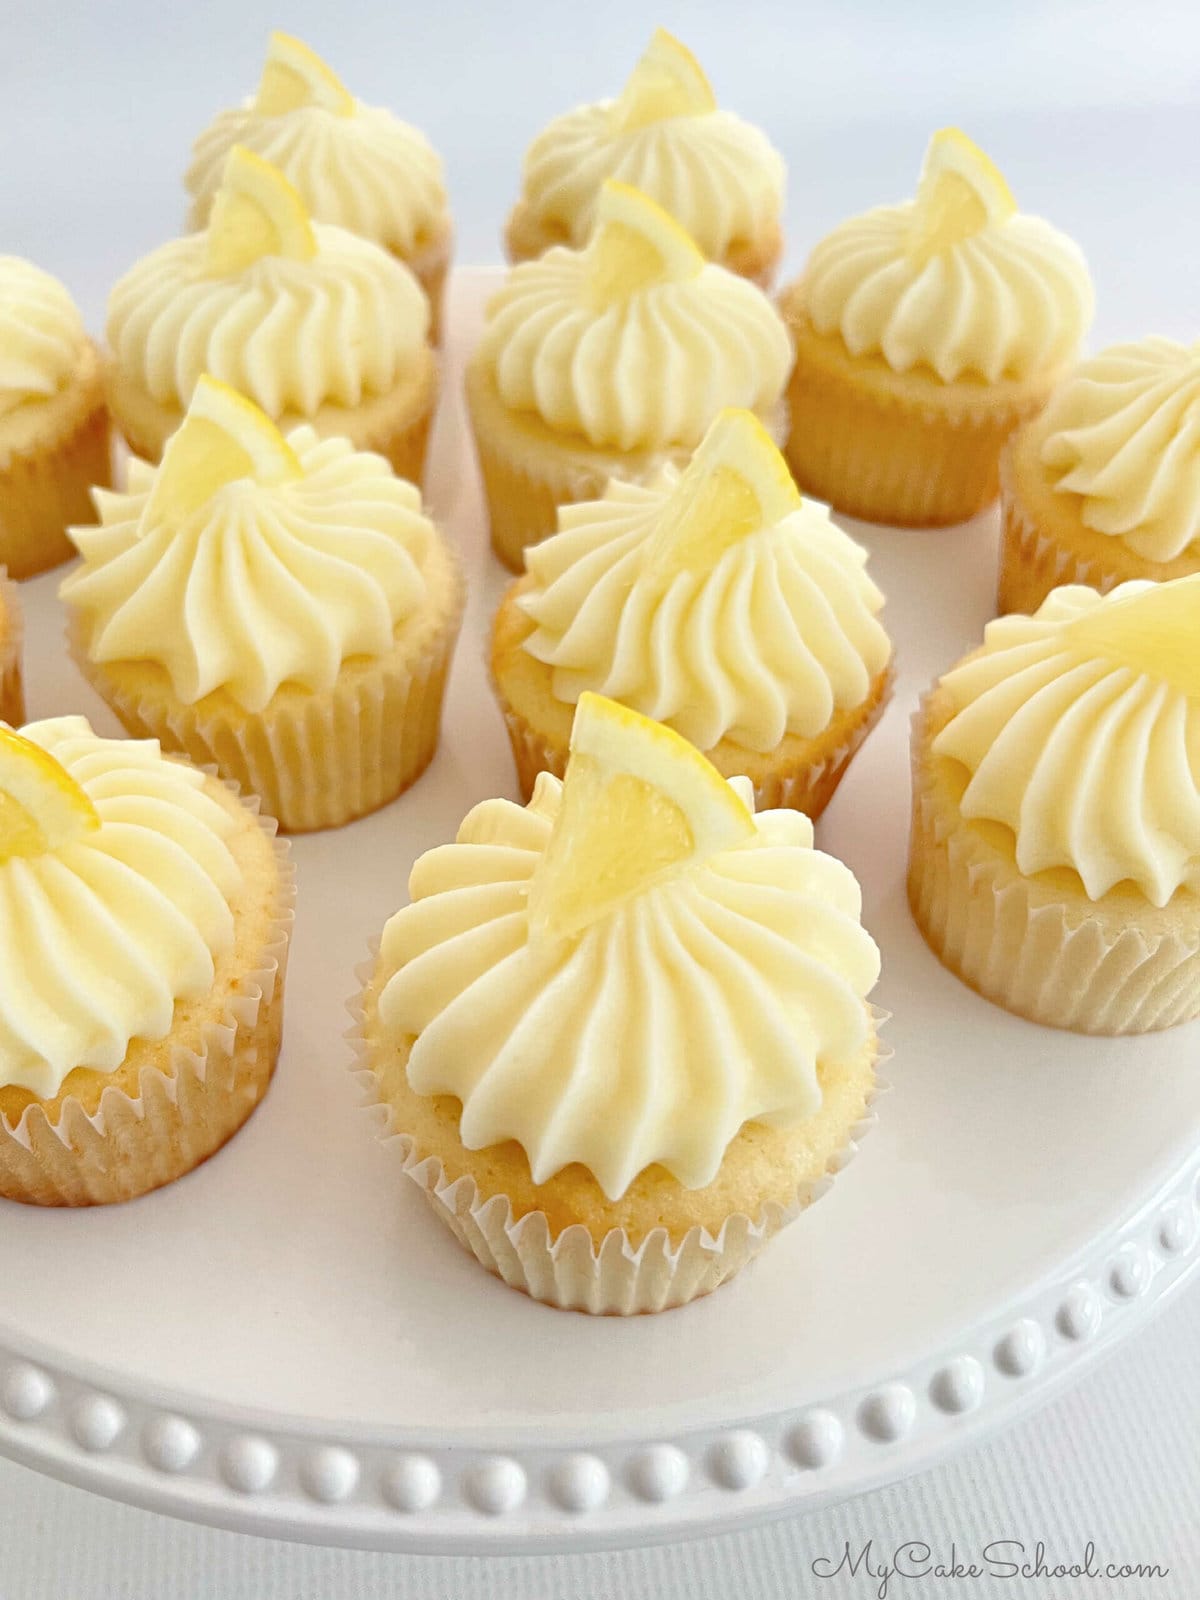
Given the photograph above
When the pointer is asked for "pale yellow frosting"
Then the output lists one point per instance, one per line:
(100, 938)
(718, 176)
(642, 372)
(291, 335)
(1089, 755)
(652, 1036)
(41, 334)
(1013, 299)
(773, 638)
(262, 584)
(368, 172)
(1123, 433)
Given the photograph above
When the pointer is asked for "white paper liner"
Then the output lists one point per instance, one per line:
(1066, 963)
(616, 1278)
(12, 693)
(131, 1145)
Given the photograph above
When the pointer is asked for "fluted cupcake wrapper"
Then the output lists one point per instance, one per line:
(430, 265)
(45, 491)
(12, 692)
(1065, 962)
(808, 788)
(620, 1276)
(318, 760)
(183, 1112)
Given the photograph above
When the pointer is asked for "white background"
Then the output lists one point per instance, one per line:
(1093, 113)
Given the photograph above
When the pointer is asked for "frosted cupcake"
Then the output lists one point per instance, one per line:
(926, 333)
(719, 177)
(1104, 485)
(623, 1032)
(609, 361)
(12, 695)
(714, 600)
(144, 920)
(1055, 863)
(352, 164)
(312, 323)
(54, 434)
(281, 608)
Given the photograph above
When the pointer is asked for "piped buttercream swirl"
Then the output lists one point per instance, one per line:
(291, 335)
(773, 638)
(101, 937)
(703, 1003)
(41, 334)
(262, 584)
(1123, 433)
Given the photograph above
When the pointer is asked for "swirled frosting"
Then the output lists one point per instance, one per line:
(1088, 752)
(1013, 299)
(41, 334)
(703, 1003)
(644, 371)
(262, 584)
(720, 177)
(773, 638)
(290, 335)
(1123, 433)
(368, 172)
(100, 938)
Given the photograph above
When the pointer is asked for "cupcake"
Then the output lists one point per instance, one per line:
(12, 694)
(281, 608)
(1055, 861)
(719, 177)
(1104, 485)
(610, 360)
(623, 1033)
(311, 322)
(714, 600)
(54, 435)
(144, 918)
(925, 333)
(354, 165)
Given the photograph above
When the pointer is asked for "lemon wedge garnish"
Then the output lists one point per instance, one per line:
(639, 805)
(635, 243)
(224, 437)
(736, 484)
(295, 76)
(1155, 633)
(256, 212)
(41, 806)
(961, 192)
(668, 81)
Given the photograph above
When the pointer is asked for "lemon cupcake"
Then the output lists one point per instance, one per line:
(144, 919)
(1055, 862)
(925, 334)
(12, 694)
(623, 1032)
(611, 360)
(1104, 485)
(352, 164)
(54, 434)
(281, 608)
(311, 322)
(714, 600)
(719, 177)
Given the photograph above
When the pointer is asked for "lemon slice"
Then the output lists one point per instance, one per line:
(667, 82)
(295, 76)
(961, 191)
(736, 484)
(224, 437)
(639, 804)
(41, 806)
(256, 212)
(634, 244)
(1155, 633)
